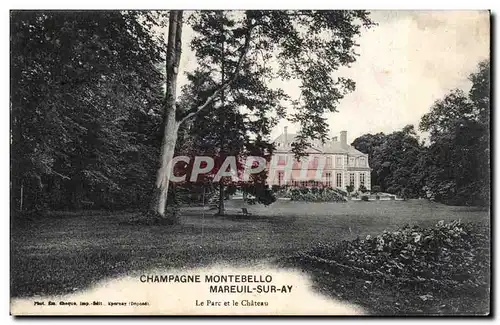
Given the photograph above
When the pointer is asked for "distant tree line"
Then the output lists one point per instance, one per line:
(453, 167)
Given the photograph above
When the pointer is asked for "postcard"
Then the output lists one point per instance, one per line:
(258, 162)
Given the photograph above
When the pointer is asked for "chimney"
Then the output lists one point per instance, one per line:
(285, 132)
(335, 139)
(343, 139)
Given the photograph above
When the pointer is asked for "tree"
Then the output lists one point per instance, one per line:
(367, 143)
(458, 157)
(240, 113)
(306, 45)
(77, 100)
(394, 159)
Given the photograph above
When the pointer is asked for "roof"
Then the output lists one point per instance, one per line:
(317, 146)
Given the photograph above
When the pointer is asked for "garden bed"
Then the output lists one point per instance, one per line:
(443, 269)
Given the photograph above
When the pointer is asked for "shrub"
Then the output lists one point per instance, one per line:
(364, 197)
(304, 190)
(318, 195)
(362, 189)
(376, 189)
(437, 262)
(340, 191)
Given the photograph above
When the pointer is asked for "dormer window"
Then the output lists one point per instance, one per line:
(338, 161)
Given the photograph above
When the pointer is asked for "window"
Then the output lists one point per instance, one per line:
(329, 162)
(315, 162)
(339, 179)
(362, 179)
(328, 180)
(351, 161)
(282, 160)
(338, 161)
(351, 179)
(362, 162)
(280, 178)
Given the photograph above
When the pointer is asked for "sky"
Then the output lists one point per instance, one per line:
(406, 63)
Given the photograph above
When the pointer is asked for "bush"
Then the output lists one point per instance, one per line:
(318, 195)
(376, 189)
(453, 256)
(444, 269)
(364, 198)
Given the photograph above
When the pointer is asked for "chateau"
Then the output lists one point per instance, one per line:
(334, 164)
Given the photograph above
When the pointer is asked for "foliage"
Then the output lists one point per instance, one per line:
(452, 253)
(85, 94)
(364, 198)
(317, 195)
(349, 188)
(362, 189)
(233, 50)
(307, 45)
(427, 263)
(458, 159)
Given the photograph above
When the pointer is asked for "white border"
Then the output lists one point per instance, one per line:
(189, 4)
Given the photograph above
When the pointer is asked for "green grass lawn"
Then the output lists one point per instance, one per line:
(70, 252)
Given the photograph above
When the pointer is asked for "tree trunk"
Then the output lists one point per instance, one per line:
(222, 134)
(171, 125)
(221, 199)
(163, 175)
(21, 197)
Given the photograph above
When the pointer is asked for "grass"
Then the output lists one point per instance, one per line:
(69, 252)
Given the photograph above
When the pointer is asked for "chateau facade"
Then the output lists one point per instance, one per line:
(334, 164)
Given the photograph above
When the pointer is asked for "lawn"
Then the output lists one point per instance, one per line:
(71, 251)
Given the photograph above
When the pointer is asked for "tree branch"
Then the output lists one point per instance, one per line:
(193, 112)
(54, 172)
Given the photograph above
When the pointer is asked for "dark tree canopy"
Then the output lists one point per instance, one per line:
(85, 94)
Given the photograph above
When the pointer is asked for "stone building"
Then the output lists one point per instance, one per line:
(333, 164)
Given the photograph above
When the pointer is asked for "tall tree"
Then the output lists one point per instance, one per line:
(458, 160)
(305, 45)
